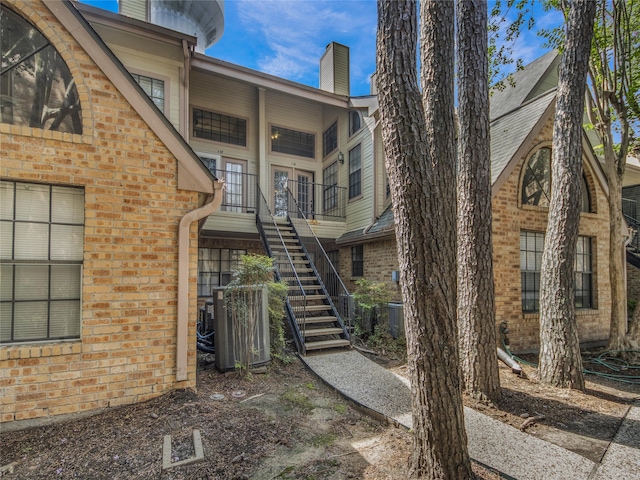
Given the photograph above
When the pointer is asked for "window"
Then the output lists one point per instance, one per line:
(330, 187)
(357, 261)
(536, 183)
(584, 274)
(355, 122)
(37, 87)
(153, 87)
(330, 139)
(219, 128)
(531, 247)
(215, 268)
(41, 253)
(293, 142)
(355, 172)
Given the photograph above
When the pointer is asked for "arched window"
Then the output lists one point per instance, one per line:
(355, 122)
(536, 182)
(36, 86)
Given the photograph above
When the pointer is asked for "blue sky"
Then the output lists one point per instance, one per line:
(286, 38)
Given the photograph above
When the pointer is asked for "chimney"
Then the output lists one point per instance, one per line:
(138, 9)
(334, 69)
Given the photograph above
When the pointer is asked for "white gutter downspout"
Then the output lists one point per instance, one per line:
(183, 276)
(374, 216)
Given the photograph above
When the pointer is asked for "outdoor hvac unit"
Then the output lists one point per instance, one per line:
(396, 320)
(225, 339)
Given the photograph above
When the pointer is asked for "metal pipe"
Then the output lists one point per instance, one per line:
(510, 362)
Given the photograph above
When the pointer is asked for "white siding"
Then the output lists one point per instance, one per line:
(221, 95)
(150, 58)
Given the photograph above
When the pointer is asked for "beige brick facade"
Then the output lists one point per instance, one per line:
(509, 218)
(126, 350)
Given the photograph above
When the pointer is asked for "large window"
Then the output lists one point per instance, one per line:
(292, 142)
(41, 253)
(355, 172)
(536, 182)
(330, 139)
(37, 87)
(215, 268)
(531, 247)
(357, 261)
(219, 128)
(153, 87)
(330, 187)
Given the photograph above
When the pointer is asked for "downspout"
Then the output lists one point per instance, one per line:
(183, 276)
(374, 216)
(186, 78)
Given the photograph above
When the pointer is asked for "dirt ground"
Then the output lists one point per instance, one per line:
(285, 424)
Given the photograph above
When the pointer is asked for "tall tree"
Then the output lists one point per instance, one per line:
(614, 93)
(560, 361)
(476, 309)
(419, 143)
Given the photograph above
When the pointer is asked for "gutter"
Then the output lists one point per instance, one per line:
(182, 336)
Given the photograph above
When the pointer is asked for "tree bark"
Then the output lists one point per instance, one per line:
(418, 138)
(476, 308)
(560, 361)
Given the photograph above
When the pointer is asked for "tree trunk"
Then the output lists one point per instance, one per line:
(421, 167)
(476, 310)
(618, 326)
(560, 361)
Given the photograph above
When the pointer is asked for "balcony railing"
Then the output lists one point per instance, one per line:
(240, 192)
(630, 209)
(317, 201)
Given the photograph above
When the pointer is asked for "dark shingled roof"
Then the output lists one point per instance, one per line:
(527, 84)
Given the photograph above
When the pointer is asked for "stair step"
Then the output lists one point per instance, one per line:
(312, 308)
(327, 344)
(316, 332)
(309, 297)
(314, 320)
(292, 278)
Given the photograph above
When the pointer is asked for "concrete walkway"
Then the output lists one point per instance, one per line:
(513, 453)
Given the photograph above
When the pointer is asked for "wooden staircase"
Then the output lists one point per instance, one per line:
(313, 317)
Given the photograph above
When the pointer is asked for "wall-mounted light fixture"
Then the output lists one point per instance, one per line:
(341, 158)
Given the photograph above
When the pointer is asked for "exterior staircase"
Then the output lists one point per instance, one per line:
(314, 320)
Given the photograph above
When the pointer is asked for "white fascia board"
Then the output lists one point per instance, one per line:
(370, 102)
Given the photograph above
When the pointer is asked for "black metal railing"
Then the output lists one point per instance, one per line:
(240, 191)
(285, 271)
(317, 201)
(630, 209)
(634, 244)
(332, 284)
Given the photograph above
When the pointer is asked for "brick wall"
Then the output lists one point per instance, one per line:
(127, 348)
(380, 259)
(509, 218)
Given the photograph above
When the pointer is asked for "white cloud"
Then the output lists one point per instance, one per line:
(296, 33)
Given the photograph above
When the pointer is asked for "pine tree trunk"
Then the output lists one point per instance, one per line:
(421, 166)
(560, 361)
(476, 309)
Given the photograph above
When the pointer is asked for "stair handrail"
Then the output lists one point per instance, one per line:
(302, 221)
(264, 215)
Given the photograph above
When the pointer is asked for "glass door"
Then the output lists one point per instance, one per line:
(280, 195)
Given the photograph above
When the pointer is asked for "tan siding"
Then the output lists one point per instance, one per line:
(241, 223)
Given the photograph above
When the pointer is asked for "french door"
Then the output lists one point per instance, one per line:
(301, 185)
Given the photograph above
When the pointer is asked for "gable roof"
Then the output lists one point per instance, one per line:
(509, 132)
(534, 79)
(192, 173)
